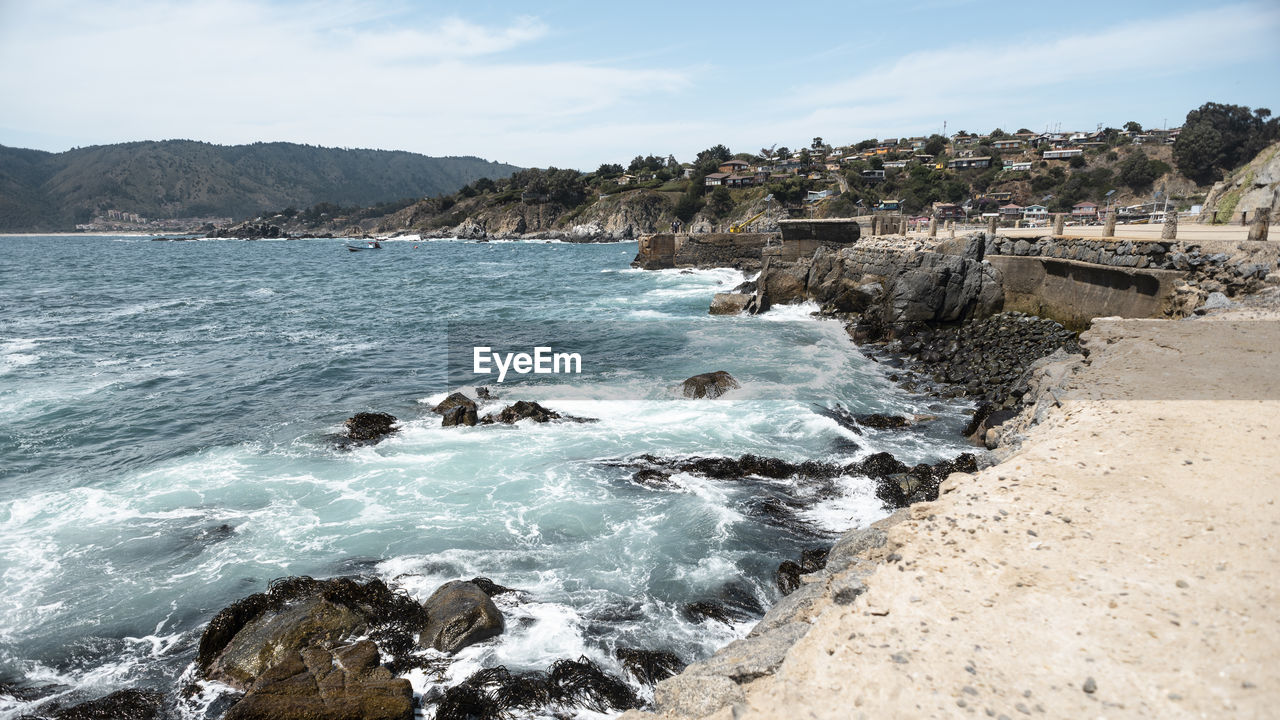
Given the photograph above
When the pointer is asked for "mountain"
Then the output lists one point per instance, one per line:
(183, 178)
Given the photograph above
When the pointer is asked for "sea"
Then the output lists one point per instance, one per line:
(167, 413)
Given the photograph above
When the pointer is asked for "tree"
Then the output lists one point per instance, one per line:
(817, 144)
(687, 206)
(998, 134)
(720, 202)
(804, 158)
(1077, 161)
(609, 170)
(708, 160)
(1132, 127)
(1218, 137)
(935, 145)
(783, 153)
(1137, 171)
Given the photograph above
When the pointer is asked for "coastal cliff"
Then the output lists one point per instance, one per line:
(1062, 581)
(1254, 186)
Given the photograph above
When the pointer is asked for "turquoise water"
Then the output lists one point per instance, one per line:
(164, 406)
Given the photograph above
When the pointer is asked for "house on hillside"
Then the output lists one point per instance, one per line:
(873, 176)
(740, 180)
(1012, 211)
(896, 163)
(970, 162)
(1062, 153)
(1017, 166)
(626, 179)
(1007, 144)
(1035, 212)
(733, 166)
(1084, 211)
(998, 196)
(716, 179)
(948, 211)
(816, 195)
(888, 206)
(918, 143)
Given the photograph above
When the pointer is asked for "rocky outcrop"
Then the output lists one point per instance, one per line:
(890, 281)
(250, 636)
(344, 683)
(729, 303)
(613, 218)
(1256, 185)
(459, 614)
(709, 385)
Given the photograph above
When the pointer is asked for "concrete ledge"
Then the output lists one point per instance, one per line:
(1074, 292)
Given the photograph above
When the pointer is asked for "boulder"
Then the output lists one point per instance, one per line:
(251, 635)
(454, 400)
(273, 637)
(369, 427)
(459, 415)
(883, 422)
(459, 614)
(729, 303)
(522, 410)
(347, 683)
(709, 385)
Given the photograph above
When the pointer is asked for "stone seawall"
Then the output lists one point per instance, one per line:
(668, 250)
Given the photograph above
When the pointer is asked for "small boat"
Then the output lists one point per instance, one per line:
(371, 245)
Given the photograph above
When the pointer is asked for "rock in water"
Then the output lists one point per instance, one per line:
(709, 385)
(454, 400)
(729, 303)
(459, 614)
(346, 683)
(369, 427)
(521, 410)
(120, 705)
(459, 415)
(250, 636)
(883, 422)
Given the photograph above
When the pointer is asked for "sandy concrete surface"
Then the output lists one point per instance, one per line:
(1122, 564)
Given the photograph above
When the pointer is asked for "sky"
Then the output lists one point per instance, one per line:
(577, 84)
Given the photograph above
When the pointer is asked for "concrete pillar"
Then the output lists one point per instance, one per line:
(951, 228)
(992, 224)
(1109, 230)
(875, 225)
(1058, 223)
(1170, 229)
(1261, 222)
(933, 226)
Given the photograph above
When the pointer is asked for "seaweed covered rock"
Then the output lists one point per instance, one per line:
(493, 693)
(455, 399)
(883, 422)
(709, 385)
(369, 428)
(459, 614)
(120, 705)
(649, 666)
(346, 683)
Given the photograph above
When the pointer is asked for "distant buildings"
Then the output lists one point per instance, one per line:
(970, 162)
(1063, 153)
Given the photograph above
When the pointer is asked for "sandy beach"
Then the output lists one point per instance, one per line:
(1121, 563)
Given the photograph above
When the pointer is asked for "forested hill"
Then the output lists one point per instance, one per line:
(182, 178)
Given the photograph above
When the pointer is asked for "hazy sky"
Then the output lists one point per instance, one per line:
(579, 83)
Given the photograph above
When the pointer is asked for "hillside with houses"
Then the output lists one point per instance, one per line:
(1020, 177)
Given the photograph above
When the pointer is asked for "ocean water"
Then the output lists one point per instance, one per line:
(164, 410)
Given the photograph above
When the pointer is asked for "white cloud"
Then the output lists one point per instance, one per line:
(323, 73)
(1032, 77)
